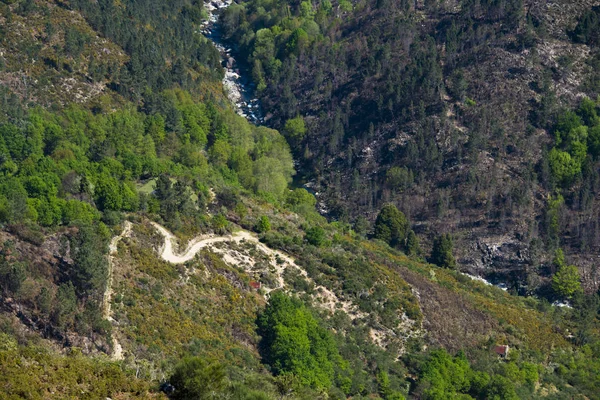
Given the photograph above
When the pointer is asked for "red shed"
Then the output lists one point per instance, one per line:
(502, 351)
(255, 285)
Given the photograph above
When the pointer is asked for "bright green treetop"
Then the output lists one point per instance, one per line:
(565, 282)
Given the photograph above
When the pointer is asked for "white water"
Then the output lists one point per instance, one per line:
(240, 90)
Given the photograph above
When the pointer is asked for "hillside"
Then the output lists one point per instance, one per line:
(445, 108)
(154, 243)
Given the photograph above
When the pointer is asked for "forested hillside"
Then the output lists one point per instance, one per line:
(154, 244)
(447, 109)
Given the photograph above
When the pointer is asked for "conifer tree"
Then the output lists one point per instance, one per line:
(391, 225)
(441, 254)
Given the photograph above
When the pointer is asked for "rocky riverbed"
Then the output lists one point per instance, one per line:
(237, 82)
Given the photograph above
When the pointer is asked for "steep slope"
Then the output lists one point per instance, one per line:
(50, 56)
(150, 224)
(445, 109)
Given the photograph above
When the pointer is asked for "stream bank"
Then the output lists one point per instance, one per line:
(237, 80)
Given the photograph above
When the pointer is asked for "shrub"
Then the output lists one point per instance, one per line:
(194, 378)
(315, 236)
(263, 224)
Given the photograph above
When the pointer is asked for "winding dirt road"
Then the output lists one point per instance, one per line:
(117, 353)
(277, 259)
(168, 253)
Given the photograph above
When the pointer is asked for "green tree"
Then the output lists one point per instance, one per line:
(196, 379)
(13, 200)
(293, 342)
(220, 223)
(563, 166)
(391, 225)
(66, 305)
(270, 176)
(501, 388)
(399, 178)
(44, 300)
(294, 131)
(552, 219)
(12, 273)
(315, 236)
(299, 197)
(384, 387)
(441, 254)
(88, 249)
(565, 282)
(361, 226)
(263, 224)
(444, 376)
(108, 194)
(413, 248)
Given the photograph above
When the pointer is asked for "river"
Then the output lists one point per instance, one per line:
(237, 80)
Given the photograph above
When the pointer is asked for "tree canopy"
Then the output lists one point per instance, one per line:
(391, 226)
(441, 253)
(293, 342)
(565, 282)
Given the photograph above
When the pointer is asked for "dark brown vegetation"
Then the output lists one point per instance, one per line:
(445, 109)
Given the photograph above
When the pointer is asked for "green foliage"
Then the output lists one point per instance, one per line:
(391, 226)
(552, 217)
(194, 378)
(263, 224)
(65, 306)
(177, 51)
(500, 388)
(12, 273)
(564, 167)
(565, 282)
(300, 197)
(62, 168)
(88, 249)
(587, 28)
(441, 253)
(293, 342)
(315, 236)
(577, 134)
(36, 373)
(384, 388)
(399, 178)
(220, 223)
(294, 131)
(445, 375)
(413, 247)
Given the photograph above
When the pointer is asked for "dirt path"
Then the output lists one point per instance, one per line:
(277, 259)
(117, 353)
(168, 253)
